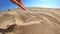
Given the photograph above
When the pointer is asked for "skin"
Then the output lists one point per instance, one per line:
(18, 3)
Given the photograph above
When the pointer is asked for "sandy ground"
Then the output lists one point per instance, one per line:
(38, 21)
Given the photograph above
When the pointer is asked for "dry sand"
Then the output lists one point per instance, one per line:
(38, 21)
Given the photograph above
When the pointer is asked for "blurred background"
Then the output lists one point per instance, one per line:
(6, 4)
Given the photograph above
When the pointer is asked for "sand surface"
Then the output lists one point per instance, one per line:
(38, 21)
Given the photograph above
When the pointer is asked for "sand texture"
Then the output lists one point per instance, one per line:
(36, 21)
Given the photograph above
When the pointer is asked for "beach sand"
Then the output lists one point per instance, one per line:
(38, 21)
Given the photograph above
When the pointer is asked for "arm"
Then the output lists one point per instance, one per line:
(14, 1)
(19, 3)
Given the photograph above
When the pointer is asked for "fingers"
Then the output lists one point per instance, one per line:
(18, 3)
(22, 6)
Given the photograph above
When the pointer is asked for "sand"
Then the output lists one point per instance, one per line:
(38, 21)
